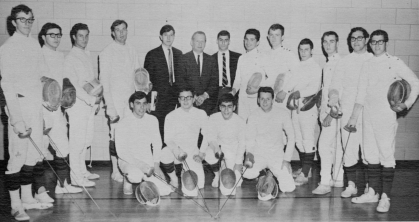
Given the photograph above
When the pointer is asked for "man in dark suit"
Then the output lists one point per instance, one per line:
(198, 70)
(226, 63)
(162, 63)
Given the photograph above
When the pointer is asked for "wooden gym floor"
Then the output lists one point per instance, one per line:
(300, 205)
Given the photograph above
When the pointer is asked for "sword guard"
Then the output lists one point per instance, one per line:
(114, 119)
(26, 134)
(46, 131)
(219, 155)
(350, 129)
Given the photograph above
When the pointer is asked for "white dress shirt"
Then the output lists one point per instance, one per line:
(166, 55)
(220, 67)
(201, 60)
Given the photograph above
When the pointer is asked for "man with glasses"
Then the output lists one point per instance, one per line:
(181, 131)
(379, 119)
(226, 64)
(342, 93)
(330, 147)
(118, 62)
(225, 134)
(78, 68)
(22, 65)
(49, 38)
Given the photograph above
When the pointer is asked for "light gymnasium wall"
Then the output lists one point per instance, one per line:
(301, 18)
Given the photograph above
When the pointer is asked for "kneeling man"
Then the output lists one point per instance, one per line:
(138, 144)
(264, 142)
(226, 137)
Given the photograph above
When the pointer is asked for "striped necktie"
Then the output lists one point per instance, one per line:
(225, 80)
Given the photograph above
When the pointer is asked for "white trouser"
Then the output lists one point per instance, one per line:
(135, 175)
(227, 162)
(274, 163)
(58, 123)
(304, 128)
(21, 151)
(330, 150)
(351, 155)
(167, 156)
(81, 119)
(380, 127)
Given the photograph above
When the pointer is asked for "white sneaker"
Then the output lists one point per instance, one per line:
(67, 189)
(369, 197)
(301, 180)
(384, 204)
(19, 214)
(43, 197)
(117, 177)
(91, 176)
(322, 189)
(36, 205)
(336, 183)
(84, 182)
(349, 191)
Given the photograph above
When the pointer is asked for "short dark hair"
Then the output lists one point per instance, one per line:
(254, 32)
(45, 29)
(223, 33)
(305, 41)
(186, 88)
(201, 33)
(137, 95)
(364, 33)
(167, 28)
(379, 32)
(266, 89)
(277, 26)
(13, 15)
(75, 29)
(226, 98)
(116, 23)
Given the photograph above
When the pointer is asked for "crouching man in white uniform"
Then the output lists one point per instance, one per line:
(138, 144)
(181, 131)
(225, 134)
(379, 118)
(264, 142)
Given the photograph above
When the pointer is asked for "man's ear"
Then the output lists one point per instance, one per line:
(131, 105)
(161, 38)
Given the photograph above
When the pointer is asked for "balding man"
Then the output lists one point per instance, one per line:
(198, 70)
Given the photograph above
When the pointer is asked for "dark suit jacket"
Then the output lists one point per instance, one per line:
(156, 65)
(234, 58)
(206, 82)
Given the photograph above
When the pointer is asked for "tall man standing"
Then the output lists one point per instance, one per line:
(248, 64)
(22, 65)
(49, 38)
(78, 68)
(379, 119)
(198, 70)
(330, 147)
(118, 62)
(342, 91)
(226, 64)
(162, 63)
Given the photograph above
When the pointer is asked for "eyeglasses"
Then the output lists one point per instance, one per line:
(187, 98)
(53, 35)
(359, 38)
(24, 20)
(379, 42)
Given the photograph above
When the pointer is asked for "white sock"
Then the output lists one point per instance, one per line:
(27, 194)
(15, 198)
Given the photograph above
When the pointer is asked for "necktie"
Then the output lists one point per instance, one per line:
(170, 68)
(199, 66)
(225, 80)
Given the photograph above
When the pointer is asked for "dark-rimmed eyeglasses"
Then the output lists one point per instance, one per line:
(379, 42)
(359, 38)
(24, 20)
(187, 98)
(53, 35)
